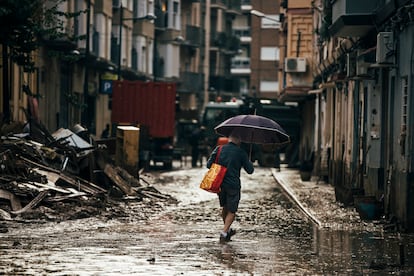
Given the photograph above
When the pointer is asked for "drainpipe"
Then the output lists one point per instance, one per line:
(206, 54)
(6, 86)
(355, 160)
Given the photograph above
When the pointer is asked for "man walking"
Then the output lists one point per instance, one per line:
(234, 159)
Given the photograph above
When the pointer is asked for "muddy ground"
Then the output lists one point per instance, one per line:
(180, 237)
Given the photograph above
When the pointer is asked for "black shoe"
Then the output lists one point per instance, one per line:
(227, 238)
(231, 233)
(224, 239)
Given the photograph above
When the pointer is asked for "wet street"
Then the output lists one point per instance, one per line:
(273, 238)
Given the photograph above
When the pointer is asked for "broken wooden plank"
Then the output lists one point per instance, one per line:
(112, 173)
(14, 201)
(5, 215)
(51, 186)
(52, 178)
(32, 203)
(128, 177)
(75, 181)
(157, 195)
(65, 197)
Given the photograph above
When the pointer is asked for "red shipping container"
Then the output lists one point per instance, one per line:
(150, 104)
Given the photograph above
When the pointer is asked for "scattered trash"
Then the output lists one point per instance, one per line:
(66, 173)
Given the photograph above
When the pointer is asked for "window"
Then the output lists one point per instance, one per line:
(269, 53)
(176, 15)
(269, 86)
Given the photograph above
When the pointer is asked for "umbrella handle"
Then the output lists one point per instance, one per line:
(250, 152)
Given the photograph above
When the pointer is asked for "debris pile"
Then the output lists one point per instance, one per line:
(64, 175)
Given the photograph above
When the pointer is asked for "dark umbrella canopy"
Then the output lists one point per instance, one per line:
(253, 129)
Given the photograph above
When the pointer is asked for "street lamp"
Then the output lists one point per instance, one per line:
(121, 23)
(262, 15)
(257, 13)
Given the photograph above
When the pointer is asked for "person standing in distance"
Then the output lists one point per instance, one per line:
(196, 137)
(234, 159)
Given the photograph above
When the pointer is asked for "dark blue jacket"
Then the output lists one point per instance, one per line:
(233, 158)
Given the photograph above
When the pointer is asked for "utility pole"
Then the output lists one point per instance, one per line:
(121, 21)
(84, 117)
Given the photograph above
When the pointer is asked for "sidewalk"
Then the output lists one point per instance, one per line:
(317, 201)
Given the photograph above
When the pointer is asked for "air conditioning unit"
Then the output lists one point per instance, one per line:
(295, 64)
(385, 47)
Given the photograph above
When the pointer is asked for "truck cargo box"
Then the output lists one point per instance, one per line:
(150, 104)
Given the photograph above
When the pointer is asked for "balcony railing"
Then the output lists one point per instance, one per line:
(191, 82)
(222, 40)
(242, 32)
(215, 3)
(194, 36)
(224, 84)
(240, 65)
(240, 62)
(233, 6)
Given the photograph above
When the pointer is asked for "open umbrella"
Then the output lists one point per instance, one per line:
(253, 129)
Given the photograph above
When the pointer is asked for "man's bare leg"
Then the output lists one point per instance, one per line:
(228, 221)
(224, 214)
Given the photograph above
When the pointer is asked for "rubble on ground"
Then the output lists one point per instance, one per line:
(63, 175)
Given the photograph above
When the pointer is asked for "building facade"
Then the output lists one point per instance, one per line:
(364, 81)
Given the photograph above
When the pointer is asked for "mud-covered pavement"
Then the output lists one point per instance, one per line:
(274, 238)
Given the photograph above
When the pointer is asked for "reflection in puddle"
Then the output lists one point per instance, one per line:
(366, 251)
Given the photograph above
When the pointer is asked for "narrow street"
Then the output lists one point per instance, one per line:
(273, 238)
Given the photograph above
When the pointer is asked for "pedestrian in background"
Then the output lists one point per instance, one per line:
(197, 137)
(105, 132)
(234, 159)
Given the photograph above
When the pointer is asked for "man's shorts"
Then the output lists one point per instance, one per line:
(229, 198)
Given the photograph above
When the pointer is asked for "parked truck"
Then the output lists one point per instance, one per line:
(151, 106)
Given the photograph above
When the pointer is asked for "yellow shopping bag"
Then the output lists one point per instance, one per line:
(213, 178)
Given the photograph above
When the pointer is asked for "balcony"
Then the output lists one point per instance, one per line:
(246, 5)
(353, 18)
(104, 7)
(217, 39)
(161, 21)
(224, 84)
(194, 36)
(218, 4)
(143, 28)
(240, 66)
(243, 33)
(233, 7)
(229, 44)
(191, 82)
